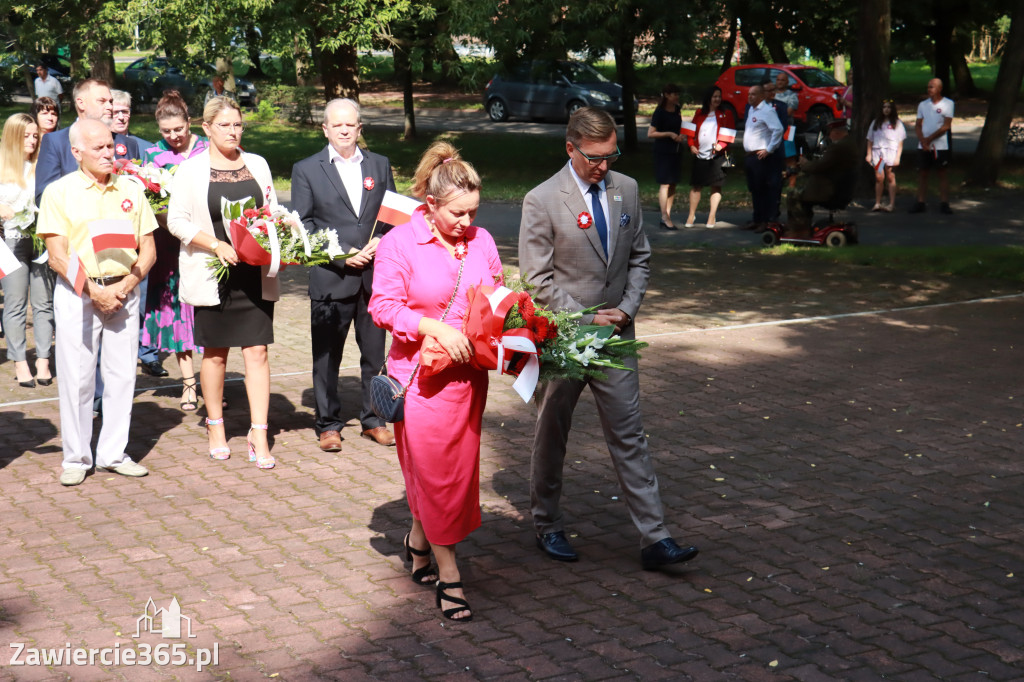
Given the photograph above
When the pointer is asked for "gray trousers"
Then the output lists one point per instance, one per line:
(618, 405)
(33, 282)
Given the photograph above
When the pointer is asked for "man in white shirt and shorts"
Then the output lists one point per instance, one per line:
(934, 120)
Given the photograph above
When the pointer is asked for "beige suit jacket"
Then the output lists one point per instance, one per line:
(567, 264)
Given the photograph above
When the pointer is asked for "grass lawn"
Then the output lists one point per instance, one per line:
(992, 262)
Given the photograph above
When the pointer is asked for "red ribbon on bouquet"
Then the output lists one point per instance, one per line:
(245, 245)
(511, 352)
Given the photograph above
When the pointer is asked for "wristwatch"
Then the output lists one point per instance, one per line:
(213, 247)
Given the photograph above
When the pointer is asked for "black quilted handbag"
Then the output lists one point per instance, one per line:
(387, 398)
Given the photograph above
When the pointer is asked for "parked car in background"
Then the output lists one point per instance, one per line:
(147, 78)
(551, 89)
(817, 92)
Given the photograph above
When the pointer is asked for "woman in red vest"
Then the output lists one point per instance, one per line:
(712, 130)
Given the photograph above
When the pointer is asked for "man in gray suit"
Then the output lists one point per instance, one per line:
(577, 261)
(342, 187)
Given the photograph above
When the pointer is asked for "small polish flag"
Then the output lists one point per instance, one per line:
(397, 209)
(727, 135)
(109, 233)
(689, 130)
(790, 135)
(8, 261)
(76, 272)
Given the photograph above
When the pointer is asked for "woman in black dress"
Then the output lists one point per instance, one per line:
(238, 311)
(668, 152)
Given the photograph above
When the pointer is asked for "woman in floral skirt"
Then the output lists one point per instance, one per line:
(169, 320)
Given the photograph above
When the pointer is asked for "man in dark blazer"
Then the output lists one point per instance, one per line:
(342, 187)
(93, 100)
(582, 244)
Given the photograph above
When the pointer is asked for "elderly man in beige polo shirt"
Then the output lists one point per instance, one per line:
(90, 208)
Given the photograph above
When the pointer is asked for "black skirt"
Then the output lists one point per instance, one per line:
(708, 172)
(242, 318)
(667, 167)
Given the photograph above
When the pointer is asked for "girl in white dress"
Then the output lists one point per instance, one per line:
(885, 147)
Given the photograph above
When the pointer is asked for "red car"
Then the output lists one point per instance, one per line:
(817, 91)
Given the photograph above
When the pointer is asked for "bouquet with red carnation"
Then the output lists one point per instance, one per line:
(275, 237)
(155, 181)
(511, 333)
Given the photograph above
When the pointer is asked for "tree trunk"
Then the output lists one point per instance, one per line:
(961, 73)
(340, 72)
(627, 78)
(451, 66)
(774, 40)
(254, 48)
(730, 45)
(755, 55)
(301, 60)
(101, 62)
(403, 74)
(839, 67)
(227, 70)
(871, 56)
(943, 43)
(992, 143)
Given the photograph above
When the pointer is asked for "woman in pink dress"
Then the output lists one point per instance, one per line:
(416, 270)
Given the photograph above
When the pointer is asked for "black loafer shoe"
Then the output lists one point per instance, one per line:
(556, 546)
(154, 369)
(665, 552)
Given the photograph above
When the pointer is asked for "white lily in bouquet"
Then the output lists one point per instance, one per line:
(24, 220)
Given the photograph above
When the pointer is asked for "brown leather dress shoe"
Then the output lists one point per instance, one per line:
(380, 434)
(330, 441)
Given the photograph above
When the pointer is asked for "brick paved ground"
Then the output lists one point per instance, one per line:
(854, 485)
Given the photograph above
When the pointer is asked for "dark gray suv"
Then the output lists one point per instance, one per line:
(550, 89)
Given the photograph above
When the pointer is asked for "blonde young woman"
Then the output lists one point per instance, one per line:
(238, 312)
(418, 267)
(33, 281)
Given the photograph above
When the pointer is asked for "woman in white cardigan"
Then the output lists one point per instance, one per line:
(238, 312)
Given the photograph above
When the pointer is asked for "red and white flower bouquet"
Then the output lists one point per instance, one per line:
(155, 181)
(275, 237)
(512, 334)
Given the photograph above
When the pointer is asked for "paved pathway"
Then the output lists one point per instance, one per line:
(854, 483)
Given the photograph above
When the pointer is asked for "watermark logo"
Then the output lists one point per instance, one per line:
(170, 621)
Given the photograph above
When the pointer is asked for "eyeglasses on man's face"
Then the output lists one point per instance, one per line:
(596, 160)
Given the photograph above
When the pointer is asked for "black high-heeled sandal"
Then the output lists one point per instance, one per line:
(189, 388)
(463, 605)
(419, 576)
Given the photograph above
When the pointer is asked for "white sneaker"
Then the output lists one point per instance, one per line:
(129, 468)
(72, 476)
